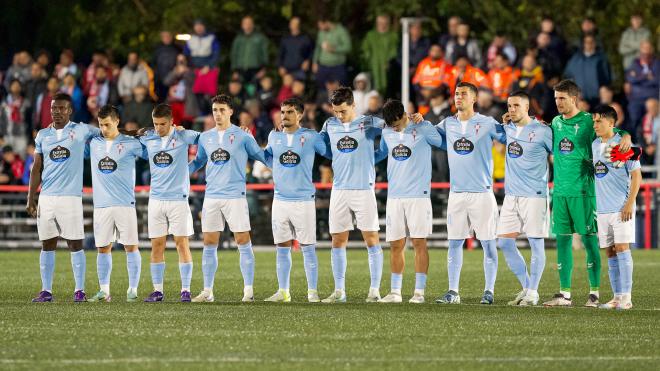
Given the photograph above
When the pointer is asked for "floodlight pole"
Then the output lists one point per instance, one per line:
(405, 58)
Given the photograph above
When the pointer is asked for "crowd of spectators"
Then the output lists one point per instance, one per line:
(310, 65)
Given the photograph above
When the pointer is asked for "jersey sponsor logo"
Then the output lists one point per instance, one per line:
(600, 169)
(401, 153)
(566, 146)
(59, 154)
(220, 157)
(463, 146)
(107, 165)
(515, 150)
(347, 144)
(289, 159)
(163, 159)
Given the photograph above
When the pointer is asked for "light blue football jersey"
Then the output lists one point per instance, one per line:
(63, 158)
(527, 150)
(612, 184)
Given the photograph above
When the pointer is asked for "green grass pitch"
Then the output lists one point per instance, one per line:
(232, 335)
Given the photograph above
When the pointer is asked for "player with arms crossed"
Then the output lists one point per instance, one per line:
(525, 208)
(573, 199)
(113, 157)
(225, 150)
(407, 147)
(169, 212)
(351, 140)
(58, 167)
(616, 192)
(471, 205)
(290, 153)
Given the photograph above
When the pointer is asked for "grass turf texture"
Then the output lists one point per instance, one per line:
(229, 334)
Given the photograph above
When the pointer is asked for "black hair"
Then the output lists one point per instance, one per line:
(64, 97)
(568, 86)
(606, 112)
(162, 110)
(519, 94)
(109, 111)
(342, 95)
(223, 99)
(393, 110)
(296, 103)
(472, 88)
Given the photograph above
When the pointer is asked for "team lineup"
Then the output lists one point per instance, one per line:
(596, 179)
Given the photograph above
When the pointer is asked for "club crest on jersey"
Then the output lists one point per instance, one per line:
(362, 126)
(59, 154)
(600, 169)
(414, 134)
(302, 141)
(476, 129)
(163, 159)
(463, 146)
(72, 135)
(566, 146)
(401, 152)
(173, 142)
(120, 147)
(220, 157)
(347, 144)
(531, 136)
(515, 150)
(289, 159)
(231, 139)
(107, 165)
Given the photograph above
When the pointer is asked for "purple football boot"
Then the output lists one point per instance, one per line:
(43, 297)
(185, 296)
(79, 296)
(154, 297)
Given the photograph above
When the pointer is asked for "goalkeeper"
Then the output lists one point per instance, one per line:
(574, 200)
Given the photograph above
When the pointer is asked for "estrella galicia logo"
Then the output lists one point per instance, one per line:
(515, 150)
(59, 154)
(107, 165)
(463, 146)
(566, 146)
(163, 159)
(401, 152)
(600, 169)
(289, 159)
(347, 144)
(220, 157)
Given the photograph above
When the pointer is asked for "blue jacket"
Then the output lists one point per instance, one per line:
(641, 87)
(589, 73)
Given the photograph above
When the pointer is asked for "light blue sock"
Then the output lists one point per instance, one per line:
(283, 267)
(375, 265)
(490, 263)
(311, 265)
(338, 262)
(185, 270)
(157, 273)
(134, 267)
(79, 266)
(209, 265)
(537, 263)
(46, 268)
(625, 271)
(613, 271)
(396, 281)
(514, 260)
(420, 281)
(104, 267)
(247, 263)
(454, 263)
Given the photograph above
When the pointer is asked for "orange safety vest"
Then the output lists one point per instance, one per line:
(430, 73)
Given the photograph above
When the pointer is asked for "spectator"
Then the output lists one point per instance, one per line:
(375, 105)
(131, 75)
(44, 59)
(203, 48)
(323, 97)
(502, 77)
(33, 88)
(19, 69)
(547, 59)
(464, 71)
(249, 52)
(27, 164)
(486, 105)
(261, 121)
(418, 47)
(298, 88)
(590, 70)
(11, 166)
(70, 87)
(588, 27)
(13, 117)
(164, 61)
(643, 80)
(180, 96)
(266, 93)
(433, 71)
(463, 44)
(42, 116)
(500, 44)
(295, 52)
(361, 92)
(650, 130)
(380, 47)
(631, 39)
(452, 31)
(235, 90)
(556, 43)
(310, 119)
(286, 90)
(139, 108)
(606, 96)
(102, 91)
(66, 65)
(439, 109)
(98, 59)
(532, 81)
(333, 43)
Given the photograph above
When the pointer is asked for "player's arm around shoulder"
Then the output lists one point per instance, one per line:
(432, 135)
(321, 145)
(253, 149)
(200, 158)
(497, 131)
(190, 136)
